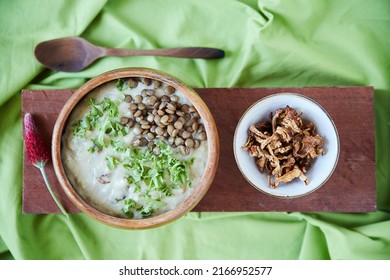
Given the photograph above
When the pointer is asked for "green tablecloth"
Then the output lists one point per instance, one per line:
(267, 43)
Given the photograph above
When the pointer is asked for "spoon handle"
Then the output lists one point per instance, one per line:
(191, 52)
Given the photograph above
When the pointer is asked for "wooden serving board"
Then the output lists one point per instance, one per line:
(351, 188)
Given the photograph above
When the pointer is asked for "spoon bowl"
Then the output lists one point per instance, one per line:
(73, 54)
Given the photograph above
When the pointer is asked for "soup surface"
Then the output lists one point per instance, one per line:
(134, 148)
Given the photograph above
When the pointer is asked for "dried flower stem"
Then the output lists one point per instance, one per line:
(38, 154)
(41, 167)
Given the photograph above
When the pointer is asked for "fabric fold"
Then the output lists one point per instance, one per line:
(268, 44)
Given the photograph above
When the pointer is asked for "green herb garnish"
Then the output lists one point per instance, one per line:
(151, 205)
(120, 84)
(112, 162)
(128, 208)
(103, 118)
(162, 172)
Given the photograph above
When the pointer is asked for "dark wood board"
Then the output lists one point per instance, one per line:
(351, 188)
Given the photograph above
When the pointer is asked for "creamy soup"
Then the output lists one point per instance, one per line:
(134, 148)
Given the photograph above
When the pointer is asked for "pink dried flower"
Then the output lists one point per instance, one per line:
(38, 154)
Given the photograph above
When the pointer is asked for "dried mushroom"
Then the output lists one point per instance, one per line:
(103, 179)
(284, 146)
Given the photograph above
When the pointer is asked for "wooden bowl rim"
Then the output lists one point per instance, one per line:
(185, 206)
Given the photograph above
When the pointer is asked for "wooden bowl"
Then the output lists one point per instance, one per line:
(153, 221)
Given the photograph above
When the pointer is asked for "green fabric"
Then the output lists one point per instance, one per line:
(267, 43)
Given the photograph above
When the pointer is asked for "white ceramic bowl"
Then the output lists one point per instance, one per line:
(322, 167)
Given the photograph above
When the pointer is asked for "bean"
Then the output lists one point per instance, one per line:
(182, 120)
(148, 91)
(157, 118)
(133, 107)
(160, 137)
(141, 106)
(159, 131)
(143, 93)
(171, 118)
(143, 142)
(162, 105)
(138, 113)
(156, 84)
(178, 124)
(192, 121)
(165, 98)
(164, 119)
(184, 108)
(184, 150)
(179, 141)
(152, 100)
(124, 120)
(169, 111)
(171, 106)
(187, 117)
(186, 135)
(147, 81)
(175, 133)
(132, 83)
(150, 136)
(195, 126)
(189, 143)
(138, 98)
(150, 118)
(169, 90)
(202, 136)
(196, 143)
(170, 129)
(174, 98)
(128, 98)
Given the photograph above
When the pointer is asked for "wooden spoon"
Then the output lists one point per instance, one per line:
(72, 54)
